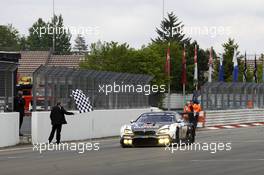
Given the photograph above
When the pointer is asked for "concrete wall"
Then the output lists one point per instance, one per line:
(9, 129)
(95, 124)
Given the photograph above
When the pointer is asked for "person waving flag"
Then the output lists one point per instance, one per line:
(235, 70)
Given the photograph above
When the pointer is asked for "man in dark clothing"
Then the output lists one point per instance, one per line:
(192, 119)
(57, 117)
(19, 106)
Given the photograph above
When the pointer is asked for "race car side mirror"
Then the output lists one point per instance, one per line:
(132, 121)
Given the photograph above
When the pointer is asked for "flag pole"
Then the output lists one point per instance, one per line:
(195, 68)
(54, 29)
(210, 65)
(163, 8)
(169, 100)
(169, 89)
(184, 97)
(262, 68)
(183, 84)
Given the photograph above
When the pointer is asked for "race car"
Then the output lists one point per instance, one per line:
(157, 128)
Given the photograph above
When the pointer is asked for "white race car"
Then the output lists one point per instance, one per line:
(157, 128)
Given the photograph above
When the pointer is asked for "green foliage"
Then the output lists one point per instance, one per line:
(24, 43)
(37, 41)
(203, 60)
(147, 60)
(228, 54)
(80, 44)
(259, 73)
(9, 38)
(41, 36)
(171, 30)
(228, 64)
(111, 56)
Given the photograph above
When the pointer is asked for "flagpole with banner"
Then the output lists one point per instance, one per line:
(184, 79)
(54, 27)
(221, 69)
(195, 68)
(167, 69)
(245, 69)
(235, 71)
(255, 70)
(210, 65)
(262, 68)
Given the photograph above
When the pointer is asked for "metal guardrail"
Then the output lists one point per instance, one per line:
(214, 118)
(229, 96)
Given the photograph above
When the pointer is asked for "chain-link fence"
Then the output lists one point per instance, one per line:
(8, 67)
(220, 95)
(53, 84)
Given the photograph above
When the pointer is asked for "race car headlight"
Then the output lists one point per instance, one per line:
(128, 131)
(163, 131)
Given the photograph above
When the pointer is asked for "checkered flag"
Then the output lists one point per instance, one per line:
(82, 102)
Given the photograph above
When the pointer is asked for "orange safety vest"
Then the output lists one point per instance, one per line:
(197, 108)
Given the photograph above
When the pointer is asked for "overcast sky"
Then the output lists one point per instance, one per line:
(134, 21)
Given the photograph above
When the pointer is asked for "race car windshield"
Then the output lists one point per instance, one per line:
(156, 118)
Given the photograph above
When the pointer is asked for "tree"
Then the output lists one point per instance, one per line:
(150, 59)
(112, 56)
(9, 37)
(62, 38)
(24, 43)
(202, 61)
(80, 44)
(41, 36)
(228, 54)
(171, 30)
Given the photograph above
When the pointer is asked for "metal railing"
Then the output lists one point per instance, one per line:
(221, 96)
(53, 84)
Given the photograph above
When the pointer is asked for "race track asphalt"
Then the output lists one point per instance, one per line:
(245, 158)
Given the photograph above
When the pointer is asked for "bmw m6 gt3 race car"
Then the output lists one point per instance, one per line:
(157, 128)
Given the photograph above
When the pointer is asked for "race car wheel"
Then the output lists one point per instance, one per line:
(123, 146)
